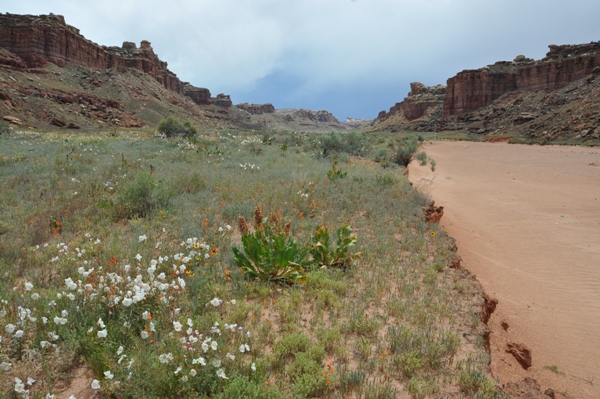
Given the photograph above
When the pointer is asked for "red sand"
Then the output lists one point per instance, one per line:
(527, 223)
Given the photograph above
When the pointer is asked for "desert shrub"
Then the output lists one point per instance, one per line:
(421, 388)
(381, 155)
(141, 197)
(336, 143)
(291, 344)
(407, 152)
(474, 382)
(241, 387)
(171, 127)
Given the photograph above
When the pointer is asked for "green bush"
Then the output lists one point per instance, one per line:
(171, 127)
(407, 152)
(351, 143)
(381, 155)
(241, 387)
(141, 197)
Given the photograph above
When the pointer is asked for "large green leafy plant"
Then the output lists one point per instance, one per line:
(270, 252)
(325, 253)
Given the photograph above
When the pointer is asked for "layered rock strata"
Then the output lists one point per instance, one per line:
(473, 89)
(422, 102)
(43, 39)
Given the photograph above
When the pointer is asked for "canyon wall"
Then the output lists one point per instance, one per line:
(473, 89)
(38, 40)
(421, 101)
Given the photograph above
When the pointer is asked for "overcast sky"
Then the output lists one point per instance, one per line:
(351, 57)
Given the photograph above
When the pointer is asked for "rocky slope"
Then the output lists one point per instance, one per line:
(266, 117)
(556, 99)
(51, 76)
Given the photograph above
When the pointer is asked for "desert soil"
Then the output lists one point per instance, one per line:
(527, 223)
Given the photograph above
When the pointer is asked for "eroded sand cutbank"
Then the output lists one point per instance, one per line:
(527, 222)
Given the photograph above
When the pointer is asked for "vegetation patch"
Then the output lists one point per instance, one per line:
(127, 256)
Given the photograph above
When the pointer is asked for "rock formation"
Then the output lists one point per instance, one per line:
(421, 104)
(43, 39)
(197, 94)
(555, 99)
(473, 89)
(39, 40)
(257, 109)
(222, 100)
(421, 101)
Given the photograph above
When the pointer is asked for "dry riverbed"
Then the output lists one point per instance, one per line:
(527, 222)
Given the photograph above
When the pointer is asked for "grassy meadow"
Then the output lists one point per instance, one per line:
(116, 258)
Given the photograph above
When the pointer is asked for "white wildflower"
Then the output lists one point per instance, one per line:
(165, 358)
(221, 374)
(177, 326)
(216, 302)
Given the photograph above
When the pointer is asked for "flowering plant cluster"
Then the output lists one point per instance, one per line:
(113, 303)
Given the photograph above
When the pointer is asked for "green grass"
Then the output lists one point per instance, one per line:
(127, 242)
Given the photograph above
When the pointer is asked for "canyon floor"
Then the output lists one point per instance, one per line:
(527, 222)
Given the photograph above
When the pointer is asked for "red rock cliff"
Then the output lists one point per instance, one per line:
(421, 101)
(472, 89)
(47, 38)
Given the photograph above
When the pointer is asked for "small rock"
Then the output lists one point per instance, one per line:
(58, 122)
(72, 125)
(521, 353)
(432, 213)
(488, 307)
(12, 119)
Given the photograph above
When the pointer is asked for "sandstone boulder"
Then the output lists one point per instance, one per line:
(58, 122)
(12, 119)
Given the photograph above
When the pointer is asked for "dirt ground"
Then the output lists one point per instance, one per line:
(527, 222)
